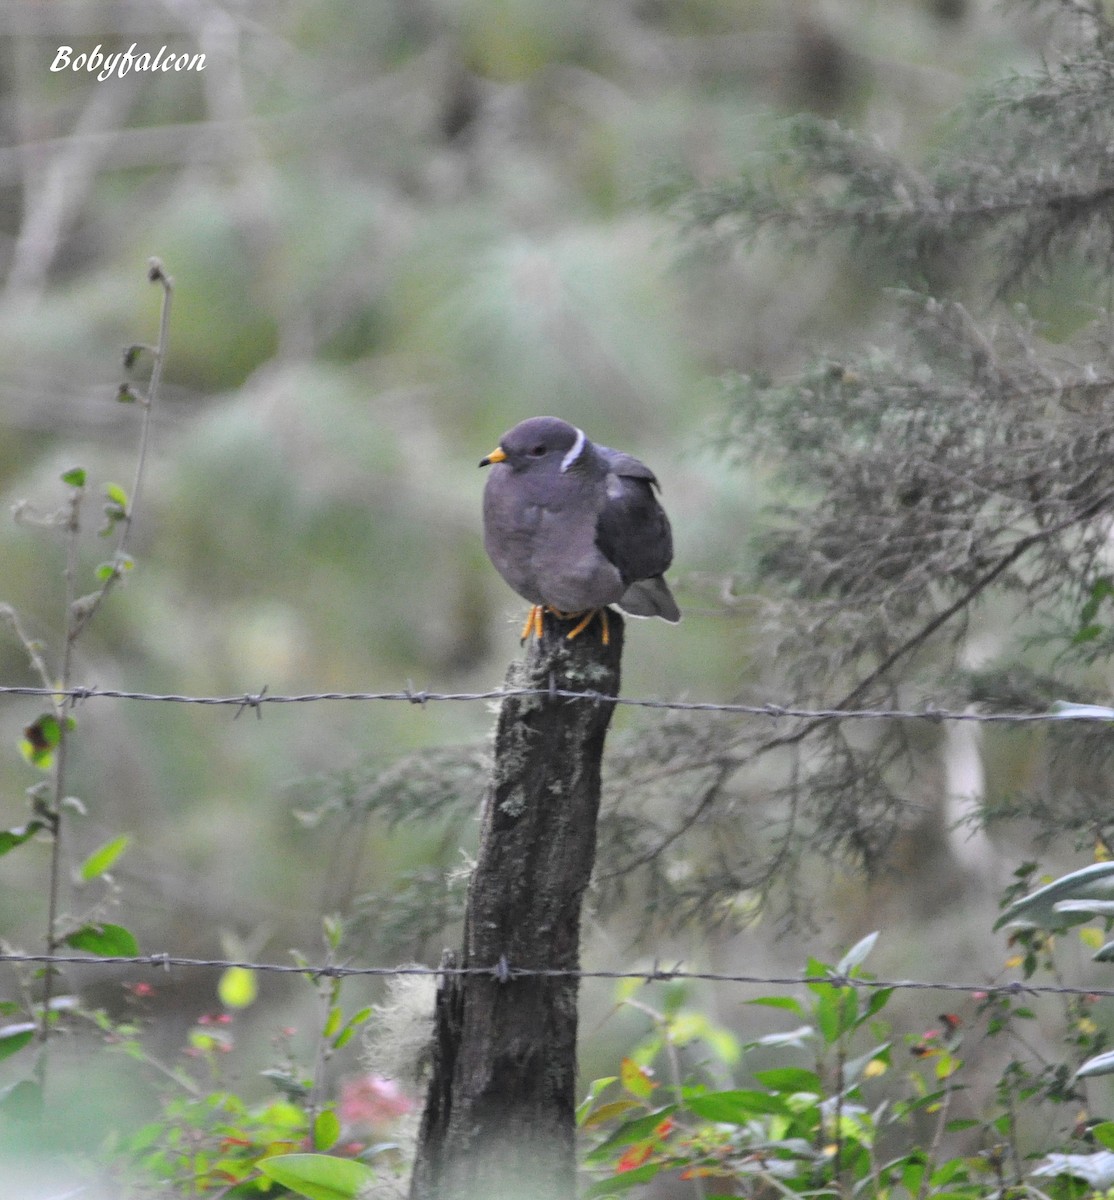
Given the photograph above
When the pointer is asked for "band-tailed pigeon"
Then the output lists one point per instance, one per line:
(574, 527)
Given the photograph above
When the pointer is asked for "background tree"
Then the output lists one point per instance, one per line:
(395, 230)
(943, 532)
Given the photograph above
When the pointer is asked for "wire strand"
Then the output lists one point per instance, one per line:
(508, 972)
(771, 711)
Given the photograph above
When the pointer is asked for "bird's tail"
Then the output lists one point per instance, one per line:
(650, 598)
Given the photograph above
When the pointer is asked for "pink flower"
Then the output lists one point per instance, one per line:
(372, 1104)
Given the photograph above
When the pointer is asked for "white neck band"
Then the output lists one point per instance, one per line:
(575, 452)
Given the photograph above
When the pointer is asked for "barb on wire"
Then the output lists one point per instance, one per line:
(771, 711)
(506, 972)
(253, 700)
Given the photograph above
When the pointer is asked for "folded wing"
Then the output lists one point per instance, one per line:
(632, 532)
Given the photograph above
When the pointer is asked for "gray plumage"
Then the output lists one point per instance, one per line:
(576, 526)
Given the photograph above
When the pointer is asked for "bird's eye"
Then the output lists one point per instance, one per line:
(536, 451)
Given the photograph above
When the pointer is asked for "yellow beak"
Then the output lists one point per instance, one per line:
(497, 455)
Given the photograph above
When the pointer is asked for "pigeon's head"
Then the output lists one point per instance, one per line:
(539, 444)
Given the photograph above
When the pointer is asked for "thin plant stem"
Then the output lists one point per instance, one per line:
(329, 993)
(662, 1024)
(53, 941)
(841, 1065)
(941, 1126)
(155, 274)
(32, 647)
(78, 613)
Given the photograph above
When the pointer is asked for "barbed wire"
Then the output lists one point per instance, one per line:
(770, 710)
(506, 972)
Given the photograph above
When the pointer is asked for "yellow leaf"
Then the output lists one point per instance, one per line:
(237, 987)
(947, 1065)
(626, 988)
(635, 1079)
(1092, 938)
(874, 1068)
(606, 1112)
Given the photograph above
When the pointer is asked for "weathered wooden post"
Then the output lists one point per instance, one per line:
(499, 1114)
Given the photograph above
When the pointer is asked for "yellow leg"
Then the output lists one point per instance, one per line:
(533, 624)
(586, 620)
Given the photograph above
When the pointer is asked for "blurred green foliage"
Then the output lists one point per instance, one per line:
(395, 230)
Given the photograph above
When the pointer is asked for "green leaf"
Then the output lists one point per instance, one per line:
(1100, 590)
(107, 941)
(623, 1182)
(103, 859)
(790, 1079)
(1038, 908)
(332, 928)
(75, 477)
(318, 1176)
(814, 968)
(350, 1026)
(1101, 1064)
(332, 1021)
(687, 1026)
(1104, 1134)
(857, 954)
(237, 987)
(632, 1131)
(117, 495)
(854, 1067)
(40, 740)
(879, 998)
(326, 1130)
(836, 1010)
(789, 1037)
(121, 564)
(724, 1044)
(626, 988)
(787, 1002)
(287, 1083)
(947, 1171)
(912, 1173)
(10, 838)
(735, 1107)
(636, 1079)
(597, 1086)
(608, 1112)
(14, 1037)
(1097, 1169)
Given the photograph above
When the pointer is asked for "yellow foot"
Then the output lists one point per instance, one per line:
(535, 618)
(586, 620)
(533, 624)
